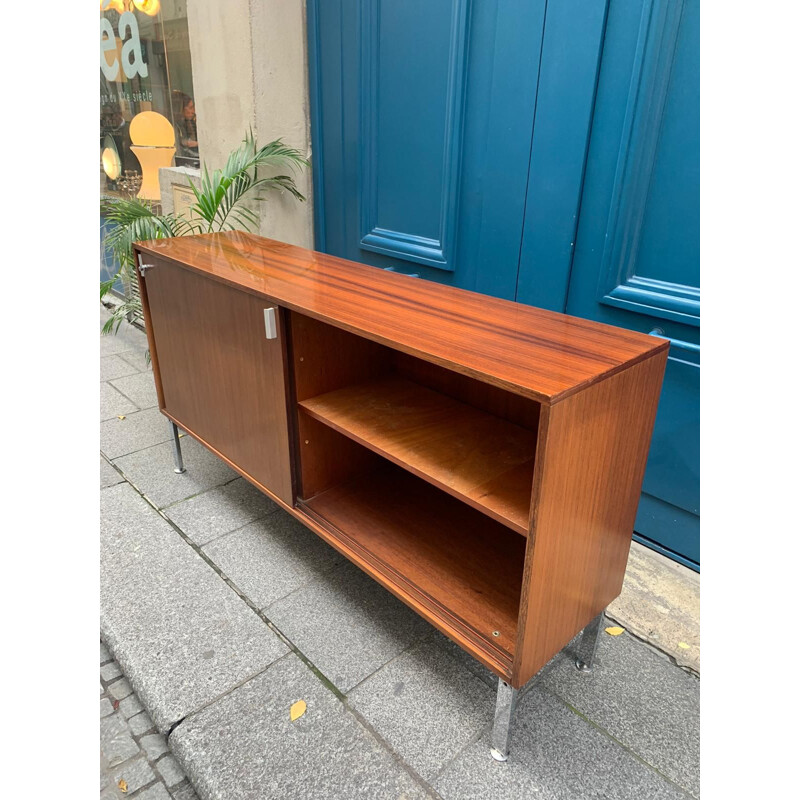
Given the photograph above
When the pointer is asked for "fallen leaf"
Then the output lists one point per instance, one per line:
(615, 630)
(115, 704)
(683, 645)
(120, 416)
(297, 710)
(123, 785)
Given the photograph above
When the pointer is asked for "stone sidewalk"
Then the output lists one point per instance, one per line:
(222, 611)
(135, 760)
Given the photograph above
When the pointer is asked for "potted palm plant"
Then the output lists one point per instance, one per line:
(220, 206)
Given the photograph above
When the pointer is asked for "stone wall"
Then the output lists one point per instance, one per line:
(250, 70)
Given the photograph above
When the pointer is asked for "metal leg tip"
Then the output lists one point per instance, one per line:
(180, 471)
(582, 666)
(498, 756)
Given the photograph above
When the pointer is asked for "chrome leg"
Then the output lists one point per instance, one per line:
(587, 646)
(503, 714)
(176, 449)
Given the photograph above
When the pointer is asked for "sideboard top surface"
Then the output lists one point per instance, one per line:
(534, 352)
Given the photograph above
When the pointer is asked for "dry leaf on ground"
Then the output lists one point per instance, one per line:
(297, 710)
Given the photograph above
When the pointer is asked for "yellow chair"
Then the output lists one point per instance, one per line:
(153, 143)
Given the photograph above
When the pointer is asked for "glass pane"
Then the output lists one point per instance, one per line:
(145, 65)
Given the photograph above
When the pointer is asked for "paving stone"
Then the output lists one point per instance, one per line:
(184, 792)
(115, 367)
(104, 654)
(465, 659)
(220, 510)
(271, 557)
(347, 624)
(110, 671)
(139, 389)
(170, 771)
(426, 706)
(245, 747)
(181, 635)
(105, 707)
(152, 470)
(643, 700)
(136, 774)
(130, 706)
(555, 755)
(157, 792)
(140, 723)
(120, 689)
(106, 781)
(116, 742)
(138, 360)
(137, 431)
(108, 475)
(154, 745)
(126, 339)
(113, 403)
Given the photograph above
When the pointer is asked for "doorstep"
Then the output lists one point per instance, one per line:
(660, 603)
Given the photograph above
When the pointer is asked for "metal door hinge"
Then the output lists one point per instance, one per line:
(270, 325)
(142, 266)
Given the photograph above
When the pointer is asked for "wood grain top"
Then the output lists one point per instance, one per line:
(537, 353)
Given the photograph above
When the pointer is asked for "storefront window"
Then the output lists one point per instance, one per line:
(145, 66)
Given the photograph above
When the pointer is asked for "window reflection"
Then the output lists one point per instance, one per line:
(145, 66)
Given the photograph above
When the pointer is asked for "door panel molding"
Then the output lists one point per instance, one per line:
(571, 52)
(438, 250)
(619, 285)
(674, 447)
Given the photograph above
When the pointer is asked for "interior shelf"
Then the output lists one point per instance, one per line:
(464, 568)
(475, 456)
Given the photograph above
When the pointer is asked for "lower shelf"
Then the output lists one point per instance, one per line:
(436, 552)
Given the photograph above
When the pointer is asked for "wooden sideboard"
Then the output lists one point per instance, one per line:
(479, 458)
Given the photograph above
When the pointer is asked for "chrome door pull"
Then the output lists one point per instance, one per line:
(270, 324)
(143, 266)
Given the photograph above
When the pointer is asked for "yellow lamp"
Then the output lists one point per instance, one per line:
(153, 143)
(112, 164)
(149, 7)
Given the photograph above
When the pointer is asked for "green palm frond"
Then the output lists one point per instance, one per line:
(133, 221)
(218, 204)
(221, 191)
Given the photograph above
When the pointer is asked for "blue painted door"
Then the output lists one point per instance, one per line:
(422, 116)
(636, 261)
(543, 151)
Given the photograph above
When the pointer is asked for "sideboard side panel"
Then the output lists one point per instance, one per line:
(217, 372)
(589, 479)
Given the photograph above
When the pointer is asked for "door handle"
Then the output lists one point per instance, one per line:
(143, 266)
(270, 325)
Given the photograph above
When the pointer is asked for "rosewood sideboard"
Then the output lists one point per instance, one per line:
(479, 458)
